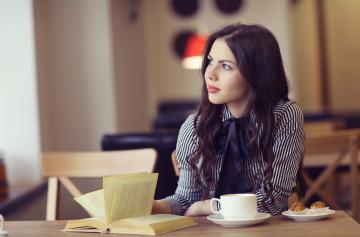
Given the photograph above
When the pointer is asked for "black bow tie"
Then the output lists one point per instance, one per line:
(231, 140)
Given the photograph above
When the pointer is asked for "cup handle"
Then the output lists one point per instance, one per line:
(215, 201)
(1, 222)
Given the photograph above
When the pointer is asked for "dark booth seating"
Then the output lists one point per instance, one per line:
(163, 142)
(314, 117)
(171, 114)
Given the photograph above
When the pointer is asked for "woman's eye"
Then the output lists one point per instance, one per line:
(210, 61)
(226, 67)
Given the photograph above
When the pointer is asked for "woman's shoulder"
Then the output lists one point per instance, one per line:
(189, 122)
(289, 109)
(288, 117)
(187, 130)
(187, 140)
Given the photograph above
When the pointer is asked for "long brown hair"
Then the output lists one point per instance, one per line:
(259, 60)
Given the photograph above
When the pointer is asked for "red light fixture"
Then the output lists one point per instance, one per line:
(193, 53)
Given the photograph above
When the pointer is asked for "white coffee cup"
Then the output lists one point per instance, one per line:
(235, 206)
(3, 233)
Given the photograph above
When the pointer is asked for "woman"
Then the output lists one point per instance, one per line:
(247, 136)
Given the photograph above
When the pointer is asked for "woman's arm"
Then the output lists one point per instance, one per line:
(288, 148)
(187, 191)
(161, 207)
(199, 208)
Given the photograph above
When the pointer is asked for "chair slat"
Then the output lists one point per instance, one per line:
(97, 164)
(70, 186)
(51, 199)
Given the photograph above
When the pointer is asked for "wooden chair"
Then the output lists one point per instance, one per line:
(322, 126)
(60, 166)
(331, 150)
(175, 163)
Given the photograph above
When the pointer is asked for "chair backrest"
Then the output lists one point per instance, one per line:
(60, 166)
(331, 150)
(322, 126)
(341, 141)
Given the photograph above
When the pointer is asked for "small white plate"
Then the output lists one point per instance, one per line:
(308, 217)
(219, 219)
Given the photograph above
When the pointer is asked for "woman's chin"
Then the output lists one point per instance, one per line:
(215, 101)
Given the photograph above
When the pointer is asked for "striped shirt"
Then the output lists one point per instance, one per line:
(288, 148)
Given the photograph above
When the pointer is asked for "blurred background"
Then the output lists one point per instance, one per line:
(72, 71)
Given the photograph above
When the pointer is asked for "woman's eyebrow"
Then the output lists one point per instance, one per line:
(226, 61)
(222, 60)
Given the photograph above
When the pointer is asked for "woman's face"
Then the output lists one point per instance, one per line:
(224, 81)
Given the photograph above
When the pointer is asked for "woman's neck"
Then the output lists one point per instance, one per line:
(238, 109)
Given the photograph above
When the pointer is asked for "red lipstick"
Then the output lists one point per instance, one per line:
(212, 89)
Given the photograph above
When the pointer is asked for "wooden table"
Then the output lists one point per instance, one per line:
(340, 224)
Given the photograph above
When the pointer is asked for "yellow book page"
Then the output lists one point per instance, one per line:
(164, 223)
(151, 224)
(93, 203)
(86, 225)
(128, 195)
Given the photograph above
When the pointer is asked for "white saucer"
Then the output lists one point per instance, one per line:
(219, 219)
(308, 217)
(3, 233)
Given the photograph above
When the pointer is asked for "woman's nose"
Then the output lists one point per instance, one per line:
(210, 74)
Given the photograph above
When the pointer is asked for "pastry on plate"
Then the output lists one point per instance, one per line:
(318, 204)
(318, 207)
(297, 207)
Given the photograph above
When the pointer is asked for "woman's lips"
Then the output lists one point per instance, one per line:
(212, 89)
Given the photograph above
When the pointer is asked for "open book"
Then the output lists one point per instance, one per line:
(124, 206)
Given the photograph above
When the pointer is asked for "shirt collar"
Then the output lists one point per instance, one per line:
(226, 114)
